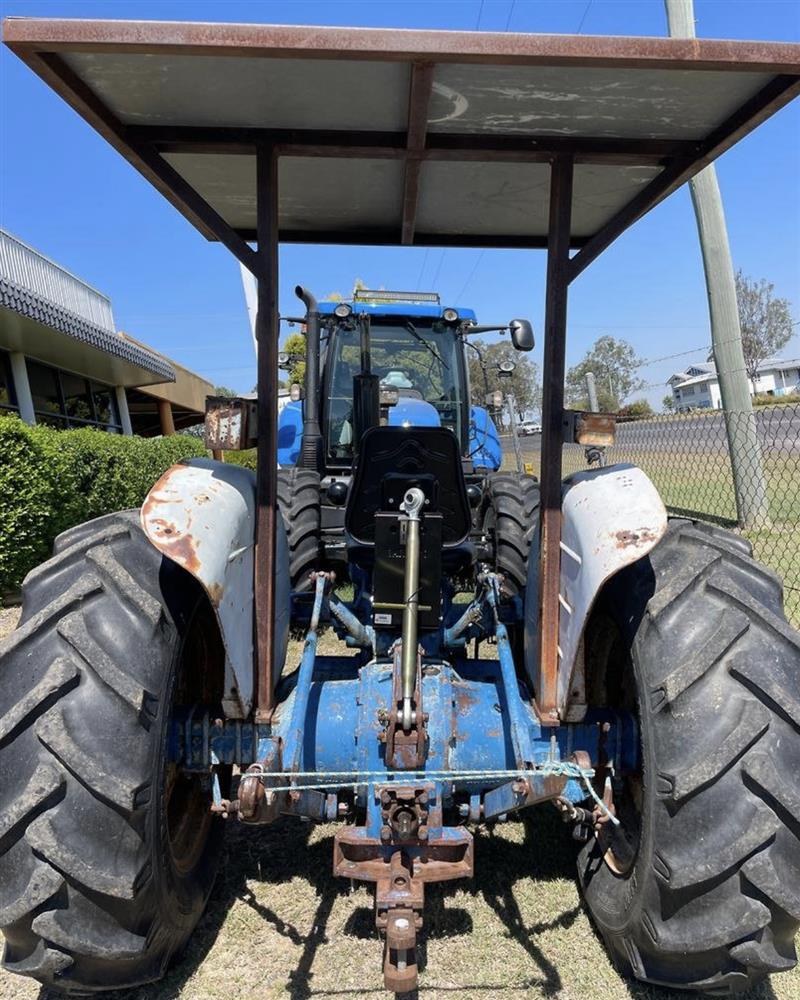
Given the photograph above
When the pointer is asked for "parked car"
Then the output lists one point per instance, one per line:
(527, 427)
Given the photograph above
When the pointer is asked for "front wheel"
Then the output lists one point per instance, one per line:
(107, 852)
(699, 887)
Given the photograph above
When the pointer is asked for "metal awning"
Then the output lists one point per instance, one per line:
(408, 137)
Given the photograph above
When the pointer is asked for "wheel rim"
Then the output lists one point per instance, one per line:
(610, 657)
(188, 817)
(187, 796)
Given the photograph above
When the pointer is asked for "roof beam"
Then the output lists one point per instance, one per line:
(418, 102)
(30, 34)
(436, 146)
(769, 99)
(388, 237)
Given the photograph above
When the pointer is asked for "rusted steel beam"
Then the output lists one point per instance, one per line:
(553, 365)
(57, 74)
(418, 102)
(766, 102)
(267, 447)
(225, 139)
(437, 146)
(388, 237)
(27, 35)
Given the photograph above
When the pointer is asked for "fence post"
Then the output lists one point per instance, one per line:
(752, 504)
(591, 392)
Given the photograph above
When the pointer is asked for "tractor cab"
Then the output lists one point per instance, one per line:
(397, 365)
(383, 359)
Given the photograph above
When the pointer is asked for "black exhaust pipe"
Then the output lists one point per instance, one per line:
(366, 388)
(311, 454)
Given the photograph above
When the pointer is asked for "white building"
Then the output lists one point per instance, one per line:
(698, 386)
(63, 363)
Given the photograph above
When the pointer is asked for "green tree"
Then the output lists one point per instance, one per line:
(295, 347)
(223, 390)
(614, 363)
(524, 384)
(668, 403)
(766, 322)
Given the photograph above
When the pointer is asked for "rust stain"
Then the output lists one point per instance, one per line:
(182, 550)
(633, 539)
(464, 699)
(215, 592)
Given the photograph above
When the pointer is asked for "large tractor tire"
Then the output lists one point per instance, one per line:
(299, 502)
(700, 886)
(511, 520)
(107, 852)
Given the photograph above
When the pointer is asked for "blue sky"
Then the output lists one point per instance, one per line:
(65, 191)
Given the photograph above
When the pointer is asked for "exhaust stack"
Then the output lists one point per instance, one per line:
(311, 454)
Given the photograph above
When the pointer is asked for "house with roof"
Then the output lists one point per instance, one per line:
(698, 386)
(63, 362)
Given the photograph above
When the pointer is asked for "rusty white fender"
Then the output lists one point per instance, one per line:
(201, 515)
(611, 518)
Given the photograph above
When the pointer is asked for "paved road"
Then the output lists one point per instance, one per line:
(778, 430)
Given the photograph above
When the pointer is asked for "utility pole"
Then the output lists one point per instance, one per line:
(752, 504)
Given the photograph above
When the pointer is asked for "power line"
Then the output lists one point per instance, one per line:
(480, 13)
(469, 278)
(681, 354)
(422, 269)
(438, 269)
(583, 18)
(510, 12)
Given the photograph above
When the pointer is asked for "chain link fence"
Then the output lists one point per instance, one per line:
(688, 460)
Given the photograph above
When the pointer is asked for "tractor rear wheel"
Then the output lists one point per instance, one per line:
(699, 888)
(107, 852)
(510, 521)
(299, 502)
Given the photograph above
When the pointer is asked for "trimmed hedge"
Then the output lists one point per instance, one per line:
(51, 480)
(247, 458)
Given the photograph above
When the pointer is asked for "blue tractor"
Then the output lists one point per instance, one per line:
(506, 644)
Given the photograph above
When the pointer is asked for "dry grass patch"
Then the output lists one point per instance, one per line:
(280, 926)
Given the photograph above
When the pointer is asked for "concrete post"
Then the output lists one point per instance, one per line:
(591, 392)
(165, 416)
(122, 409)
(752, 504)
(22, 387)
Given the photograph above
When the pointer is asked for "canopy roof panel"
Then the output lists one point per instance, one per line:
(413, 137)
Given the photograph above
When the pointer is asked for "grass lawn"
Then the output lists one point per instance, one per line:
(696, 483)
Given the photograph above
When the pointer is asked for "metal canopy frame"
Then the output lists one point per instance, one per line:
(43, 44)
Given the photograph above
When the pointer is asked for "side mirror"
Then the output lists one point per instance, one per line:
(521, 334)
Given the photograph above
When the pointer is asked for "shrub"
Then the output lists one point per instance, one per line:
(245, 458)
(637, 410)
(51, 480)
(764, 399)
